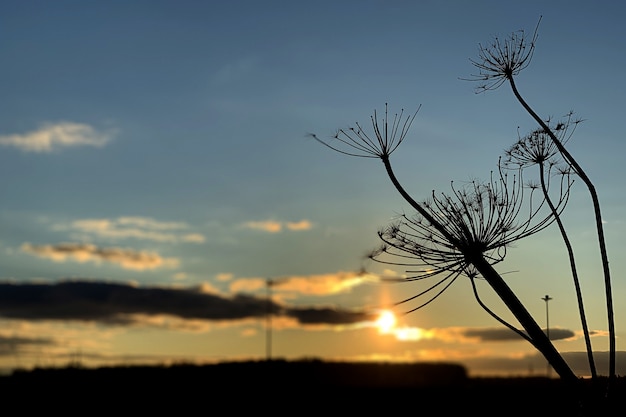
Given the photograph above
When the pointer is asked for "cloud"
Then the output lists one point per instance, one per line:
(11, 344)
(81, 252)
(149, 223)
(265, 226)
(248, 285)
(118, 303)
(301, 225)
(53, 136)
(143, 228)
(224, 276)
(326, 315)
(111, 302)
(471, 335)
(319, 285)
(504, 334)
(273, 226)
(193, 238)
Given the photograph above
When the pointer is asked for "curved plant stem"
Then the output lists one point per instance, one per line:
(537, 336)
(570, 252)
(495, 316)
(598, 218)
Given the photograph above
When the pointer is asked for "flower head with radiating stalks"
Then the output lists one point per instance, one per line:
(480, 217)
(503, 58)
(385, 138)
(538, 147)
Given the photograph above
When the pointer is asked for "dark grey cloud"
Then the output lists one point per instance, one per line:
(558, 334)
(115, 302)
(12, 344)
(505, 334)
(329, 316)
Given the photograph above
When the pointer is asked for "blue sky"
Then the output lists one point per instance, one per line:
(164, 144)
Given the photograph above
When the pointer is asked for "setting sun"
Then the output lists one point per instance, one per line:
(386, 321)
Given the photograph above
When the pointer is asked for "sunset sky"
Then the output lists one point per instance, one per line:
(157, 169)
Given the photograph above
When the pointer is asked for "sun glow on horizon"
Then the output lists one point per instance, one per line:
(386, 322)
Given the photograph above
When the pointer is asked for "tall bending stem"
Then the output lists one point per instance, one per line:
(572, 262)
(537, 336)
(598, 217)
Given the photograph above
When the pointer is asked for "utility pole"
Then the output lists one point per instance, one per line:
(546, 299)
(268, 325)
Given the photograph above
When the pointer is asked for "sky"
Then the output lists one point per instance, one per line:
(157, 172)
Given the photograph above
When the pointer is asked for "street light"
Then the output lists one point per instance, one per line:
(546, 299)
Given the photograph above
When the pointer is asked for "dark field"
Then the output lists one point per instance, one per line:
(296, 388)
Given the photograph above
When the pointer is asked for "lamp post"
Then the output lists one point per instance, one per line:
(546, 299)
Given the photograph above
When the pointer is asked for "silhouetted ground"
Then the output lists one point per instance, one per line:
(292, 388)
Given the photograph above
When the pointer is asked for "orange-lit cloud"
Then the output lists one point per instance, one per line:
(269, 226)
(224, 276)
(301, 225)
(81, 252)
(469, 335)
(319, 285)
(273, 226)
(247, 285)
(143, 228)
(60, 135)
(165, 322)
(12, 344)
(26, 343)
(207, 288)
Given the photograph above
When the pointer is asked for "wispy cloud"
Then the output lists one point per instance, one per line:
(60, 135)
(82, 252)
(468, 335)
(224, 276)
(301, 225)
(12, 344)
(273, 226)
(248, 285)
(320, 285)
(32, 340)
(143, 228)
(324, 284)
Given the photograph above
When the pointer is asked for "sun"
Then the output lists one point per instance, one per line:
(385, 322)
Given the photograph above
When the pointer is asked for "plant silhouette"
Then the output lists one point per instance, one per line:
(461, 233)
(500, 62)
(467, 231)
(537, 148)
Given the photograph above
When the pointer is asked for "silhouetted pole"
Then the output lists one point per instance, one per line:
(268, 329)
(546, 299)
